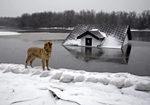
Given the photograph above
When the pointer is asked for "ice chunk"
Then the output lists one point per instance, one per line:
(25, 72)
(143, 85)
(45, 74)
(2, 67)
(57, 76)
(36, 73)
(103, 80)
(7, 69)
(118, 82)
(79, 78)
(66, 78)
(15, 70)
(92, 79)
(128, 83)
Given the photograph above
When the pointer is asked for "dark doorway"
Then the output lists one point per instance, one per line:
(88, 41)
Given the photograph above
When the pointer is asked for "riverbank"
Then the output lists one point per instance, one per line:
(20, 86)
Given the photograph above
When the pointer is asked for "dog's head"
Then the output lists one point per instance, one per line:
(48, 46)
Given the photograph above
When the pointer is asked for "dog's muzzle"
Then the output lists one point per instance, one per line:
(48, 51)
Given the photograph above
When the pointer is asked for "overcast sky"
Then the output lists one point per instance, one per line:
(13, 8)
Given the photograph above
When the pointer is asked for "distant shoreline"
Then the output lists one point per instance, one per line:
(43, 34)
(134, 30)
(32, 30)
(51, 30)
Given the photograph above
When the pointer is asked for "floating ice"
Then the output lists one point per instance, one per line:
(8, 33)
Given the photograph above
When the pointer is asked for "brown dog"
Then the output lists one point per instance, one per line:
(42, 53)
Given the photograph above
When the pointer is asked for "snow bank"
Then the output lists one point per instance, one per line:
(120, 80)
(143, 85)
(8, 33)
(70, 87)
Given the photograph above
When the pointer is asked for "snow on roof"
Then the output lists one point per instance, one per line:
(97, 30)
(102, 33)
(94, 30)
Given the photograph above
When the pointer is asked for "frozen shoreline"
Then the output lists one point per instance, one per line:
(63, 86)
(8, 33)
(42, 36)
(34, 36)
(136, 30)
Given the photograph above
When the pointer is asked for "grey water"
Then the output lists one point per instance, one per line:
(141, 35)
(134, 58)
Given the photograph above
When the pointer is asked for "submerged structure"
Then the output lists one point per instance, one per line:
(102, 55)
(109, 36)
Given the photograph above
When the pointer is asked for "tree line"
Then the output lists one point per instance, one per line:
(70, 18)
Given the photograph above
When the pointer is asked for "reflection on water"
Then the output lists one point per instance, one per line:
(102, 54)
(141, 35)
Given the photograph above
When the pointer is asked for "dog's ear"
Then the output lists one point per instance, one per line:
(50, 43)
(45, 44)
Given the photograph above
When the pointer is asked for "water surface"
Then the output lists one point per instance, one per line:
(134, 59)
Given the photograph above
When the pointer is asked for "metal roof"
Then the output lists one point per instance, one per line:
(116, 32)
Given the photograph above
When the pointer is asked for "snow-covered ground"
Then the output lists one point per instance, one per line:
(8, 33)
(32, 86)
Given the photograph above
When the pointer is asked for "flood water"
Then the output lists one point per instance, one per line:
(141, 35)
(133, 58)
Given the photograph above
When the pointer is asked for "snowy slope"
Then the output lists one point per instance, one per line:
(32, 86)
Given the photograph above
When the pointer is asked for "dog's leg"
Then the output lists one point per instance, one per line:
(26, 64)
(29, 58)
(43, 64)
(31, 62)
(47, 61)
